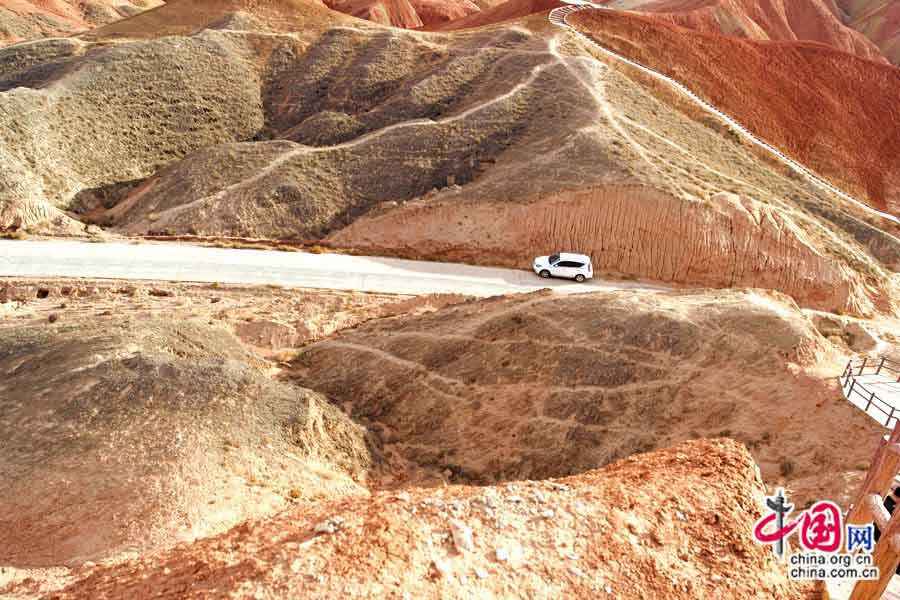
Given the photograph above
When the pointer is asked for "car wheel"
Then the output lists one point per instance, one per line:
(579, 278)
(545, 274)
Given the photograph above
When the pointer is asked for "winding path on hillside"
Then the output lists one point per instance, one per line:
(559, 16)
(177, 262)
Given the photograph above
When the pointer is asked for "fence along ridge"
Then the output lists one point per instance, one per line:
(851, 384)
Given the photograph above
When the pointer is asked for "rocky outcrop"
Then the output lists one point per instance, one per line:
(19, 215)
(660, 515)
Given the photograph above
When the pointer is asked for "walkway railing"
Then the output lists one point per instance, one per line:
(868, 507)
(854, 388)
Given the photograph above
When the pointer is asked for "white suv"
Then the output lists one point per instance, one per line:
(565, 264)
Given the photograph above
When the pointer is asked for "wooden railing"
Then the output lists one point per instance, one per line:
(868, 507)
(853, 387)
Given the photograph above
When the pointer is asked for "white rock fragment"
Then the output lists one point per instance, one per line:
(402, 496)
(443, 567)
(539, 496)
(502, 554)
(330, 525)
(576, 571)
(462, 536)
(607, 589)
(680, 516)
(548, 513)
(481, 573)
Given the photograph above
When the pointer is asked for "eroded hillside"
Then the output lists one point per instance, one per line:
(536, 386)
(652, 511)
(31, 19)
(777, 20)
(834, 112)
(154, 433)
(174, 427)
(289, 135)
(879, 20)
(201, 440)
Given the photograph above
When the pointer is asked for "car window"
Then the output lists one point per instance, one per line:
(554, 258)
(577, 265)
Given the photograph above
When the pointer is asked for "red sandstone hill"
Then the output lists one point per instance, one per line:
(833, 111)
(399, 13)
(179, 17)
(408, 14)
(777, 20)
(671, 524)
(184, 17)
(29, 19)
(506, 11)
(879, 20)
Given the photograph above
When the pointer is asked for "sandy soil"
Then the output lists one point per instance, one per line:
(272, 321)
(670, 524)
(554, 386)
(430, 391)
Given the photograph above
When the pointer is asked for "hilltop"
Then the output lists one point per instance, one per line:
(774, 20)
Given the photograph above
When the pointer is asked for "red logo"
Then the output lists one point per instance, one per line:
(820, 526)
